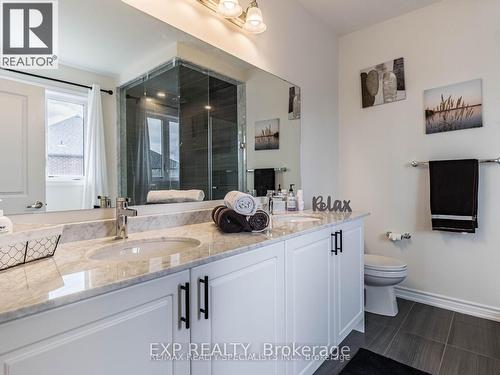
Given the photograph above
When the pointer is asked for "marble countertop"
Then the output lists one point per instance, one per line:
(70, 275)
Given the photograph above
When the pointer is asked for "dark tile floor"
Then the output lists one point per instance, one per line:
(428, 338)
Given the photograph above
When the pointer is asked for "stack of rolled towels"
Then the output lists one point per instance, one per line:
(240, 213)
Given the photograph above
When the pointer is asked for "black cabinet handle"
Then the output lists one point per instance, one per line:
(204, 310)
(186, 319)
(341, 235)
(334, 244)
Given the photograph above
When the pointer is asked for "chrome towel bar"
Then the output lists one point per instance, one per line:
(282, 169)
(415, 163)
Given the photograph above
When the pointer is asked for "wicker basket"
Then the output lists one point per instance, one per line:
(27, 246)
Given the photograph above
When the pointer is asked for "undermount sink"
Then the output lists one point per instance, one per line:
(143, 250)
(296, 218)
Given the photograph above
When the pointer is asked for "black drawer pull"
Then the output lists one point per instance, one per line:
(186, 319)
(334, 244)
(204, 310)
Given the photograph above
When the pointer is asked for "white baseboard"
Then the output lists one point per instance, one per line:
(449, 303)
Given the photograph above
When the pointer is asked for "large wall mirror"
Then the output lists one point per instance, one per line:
(167, 119)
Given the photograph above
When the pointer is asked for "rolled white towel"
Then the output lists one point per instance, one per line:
(175, 196)
(242, 203)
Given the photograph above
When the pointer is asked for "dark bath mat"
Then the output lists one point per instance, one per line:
(366, 362)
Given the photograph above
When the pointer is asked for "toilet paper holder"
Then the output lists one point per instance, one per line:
(398, 236)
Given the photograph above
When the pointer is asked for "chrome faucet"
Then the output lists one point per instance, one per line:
(122, 214)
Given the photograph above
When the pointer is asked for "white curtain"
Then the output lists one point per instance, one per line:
(96, 176)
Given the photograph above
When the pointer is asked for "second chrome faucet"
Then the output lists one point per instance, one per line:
(122, 214)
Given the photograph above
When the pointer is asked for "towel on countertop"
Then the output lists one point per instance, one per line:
(264, 180)
(175, 196)
(230, 221)
(260, 221)
(242, 203)
(454, 195)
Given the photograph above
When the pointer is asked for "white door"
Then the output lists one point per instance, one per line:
(309, 297)
(245, 304)
(349, 278)
(22, 146)
(117, 343)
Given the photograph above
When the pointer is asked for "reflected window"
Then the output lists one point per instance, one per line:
(174, 150)
(155, 130)
(65, 135)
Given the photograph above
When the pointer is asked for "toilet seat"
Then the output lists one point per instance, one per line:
(378, 263)
(386, 274)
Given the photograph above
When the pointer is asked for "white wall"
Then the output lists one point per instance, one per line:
(296, 47)
(214, 60)
(64, 196)
(267, 99)
(145, 63)
(449, 42)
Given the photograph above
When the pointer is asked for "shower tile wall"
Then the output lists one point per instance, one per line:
(193, 88)
(224, 116)
(198, 91)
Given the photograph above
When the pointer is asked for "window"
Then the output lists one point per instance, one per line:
(155, 130)
(174, 150)
(66, 117)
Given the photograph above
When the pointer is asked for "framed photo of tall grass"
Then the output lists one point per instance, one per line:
(267, 135)
(454, 107)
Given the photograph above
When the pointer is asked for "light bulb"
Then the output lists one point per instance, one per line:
(229, 8)
(254, 21)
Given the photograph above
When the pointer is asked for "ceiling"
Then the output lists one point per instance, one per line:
(345, 16)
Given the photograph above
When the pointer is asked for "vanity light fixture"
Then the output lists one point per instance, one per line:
(254, 22)
(161, 94)
(229, 8)
(250, 20)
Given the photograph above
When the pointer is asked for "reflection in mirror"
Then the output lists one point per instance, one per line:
(148, 112)
(182, 134)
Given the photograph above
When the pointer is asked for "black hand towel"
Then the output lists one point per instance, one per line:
(215, 213)
(454, 195)
(229, 221)
(259, 222)
(264, 180)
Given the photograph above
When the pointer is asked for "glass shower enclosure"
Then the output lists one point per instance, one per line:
(180, 129)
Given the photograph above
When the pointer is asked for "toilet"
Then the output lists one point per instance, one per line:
(381, 275)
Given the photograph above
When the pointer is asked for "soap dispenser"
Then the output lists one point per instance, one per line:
(6, 225)
(291, 200)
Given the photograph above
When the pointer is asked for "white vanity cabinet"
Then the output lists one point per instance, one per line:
(307, 290)
(348, 278)
(105, 335)
(240, 299)
(309, 295)
(324, 289)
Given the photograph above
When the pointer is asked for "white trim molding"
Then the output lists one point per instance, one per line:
(449, 303)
